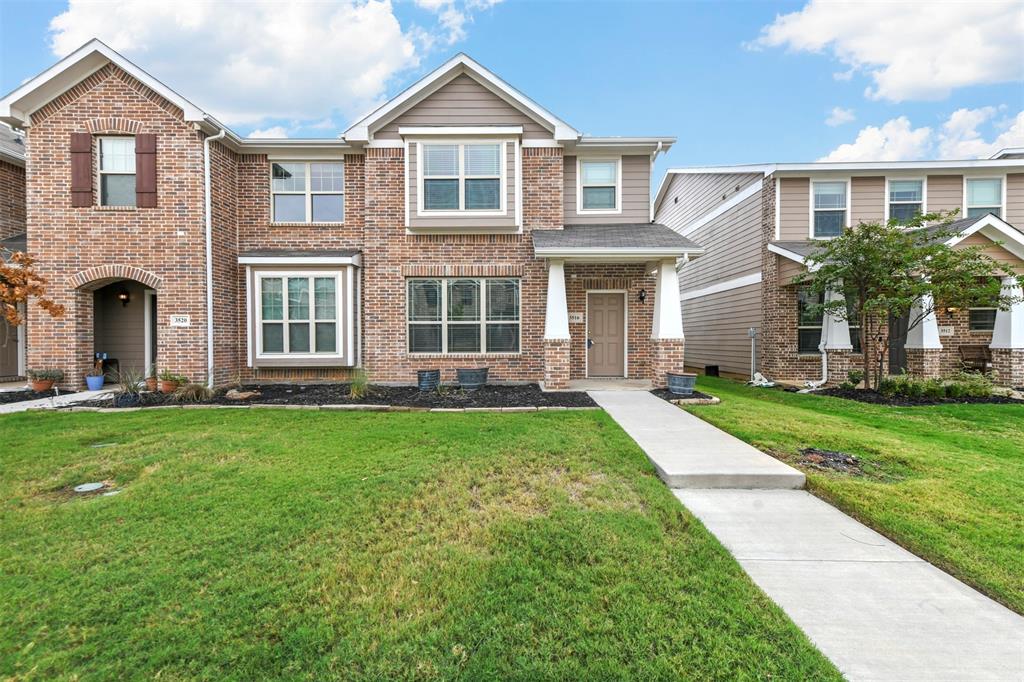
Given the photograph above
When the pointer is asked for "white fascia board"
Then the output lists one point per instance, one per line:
(995, 229)
(765, 168)
(19, 105)
(613, 254)
(299, 260)
(719, 287)
(786, 253)
(852, 168)
(428, 131)
(660, 194)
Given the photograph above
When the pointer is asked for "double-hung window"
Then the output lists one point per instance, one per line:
(984, 195)
(599, 185)
(462, 177)
(117, 171)
(828, 208)
(906, 199)
(297, 314)
(463, 315)
(308, 192)
(982, 319)
(809, 322)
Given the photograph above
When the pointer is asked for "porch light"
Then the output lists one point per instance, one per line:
(122, 296)
(643, 295)
(951, 311)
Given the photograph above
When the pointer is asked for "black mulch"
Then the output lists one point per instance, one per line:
(528, 395)
(26, 394)
(876, 398)
(666, 394)
(831, 460)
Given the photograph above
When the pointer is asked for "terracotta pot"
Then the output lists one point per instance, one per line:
(151, 384)
(168, 386)
(40, 385)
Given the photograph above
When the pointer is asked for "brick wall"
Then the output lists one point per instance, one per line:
(12, 200)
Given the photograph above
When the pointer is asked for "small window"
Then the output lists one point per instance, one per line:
(462, 177)
(117, 171)
(463, 315)
(906, 198)
(298, 314)
(599, 185)
(809, 323)
(308, 192)
(982, 319)
(829, 209)
(984, 196)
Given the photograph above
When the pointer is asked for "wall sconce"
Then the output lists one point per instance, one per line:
(951, 311)
(122, 296)
(643, 295)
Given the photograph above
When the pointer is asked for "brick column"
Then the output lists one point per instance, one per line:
(666, 356)
(556, 364)
(1008, 366)
(838, 366)
(924, 362)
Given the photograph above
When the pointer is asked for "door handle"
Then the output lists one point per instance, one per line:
(590, 342)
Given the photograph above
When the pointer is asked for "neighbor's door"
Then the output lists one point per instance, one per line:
(606, 335)
(897, 344)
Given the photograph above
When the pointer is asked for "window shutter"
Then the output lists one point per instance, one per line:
(81, 169)
(145, 170)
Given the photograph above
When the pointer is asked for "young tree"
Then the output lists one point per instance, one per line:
(889, 270)
(19, 281)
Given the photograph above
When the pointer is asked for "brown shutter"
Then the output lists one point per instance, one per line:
(145, 170)
(81, 169)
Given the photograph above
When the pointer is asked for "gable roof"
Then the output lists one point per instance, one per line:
(362, 130)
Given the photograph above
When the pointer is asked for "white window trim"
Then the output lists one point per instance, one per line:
(100, 172)
(579, 186)
(308, 192)
(924, 194)
(810, 203)
(483, 322)
(502, 210)
(340, 328)
(1002, 206)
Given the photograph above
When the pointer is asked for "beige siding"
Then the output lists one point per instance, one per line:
(1015, 199)
(867, 200)
(692, 195)
(716, 328)
(636, 193)
(119, 330)
(794, 208)
(463, 102)
(945, 193)
(994, 251)
(427, 222)
(788, 269)
(733, 246)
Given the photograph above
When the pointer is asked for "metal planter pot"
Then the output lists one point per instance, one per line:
(471, 379)
(428, 379)
(681, 384)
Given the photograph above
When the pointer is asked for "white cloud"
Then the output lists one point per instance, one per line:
(958, 138)
(273, 131)
(452, 17)
(911, 50)
(299, 61)
(839, 116)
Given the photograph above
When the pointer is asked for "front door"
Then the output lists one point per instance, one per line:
(897, 343)
(606, 335)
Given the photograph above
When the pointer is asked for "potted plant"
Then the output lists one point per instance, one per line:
(471, 379)
(169, 381)
(681, 383)
(151, 380)
(428, 379)
(44, 379)
(94, 378)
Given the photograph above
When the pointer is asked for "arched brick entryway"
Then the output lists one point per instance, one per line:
(102, 275)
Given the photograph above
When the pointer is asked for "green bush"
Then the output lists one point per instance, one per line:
(961, 385)
(855, 376)
(974, 385)
(46, 375)
(934, 389)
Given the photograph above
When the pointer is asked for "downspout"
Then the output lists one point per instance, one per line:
(654, 155)
(209, 255)
(814, 385)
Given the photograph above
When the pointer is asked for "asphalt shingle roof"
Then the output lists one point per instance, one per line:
(11, 142)
(632, 236)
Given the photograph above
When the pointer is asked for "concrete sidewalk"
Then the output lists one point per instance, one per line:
(57, 401)
(876, 610)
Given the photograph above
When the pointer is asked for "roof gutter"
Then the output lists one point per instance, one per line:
(209, 253)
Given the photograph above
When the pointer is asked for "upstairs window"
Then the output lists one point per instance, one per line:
(599, 185)
(906, 199)
(117, 171)
(308, 192)
(984, 195)
(462, 177)
(828, 209)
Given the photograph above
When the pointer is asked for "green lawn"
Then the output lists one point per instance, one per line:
(946, 482)
(303, 545)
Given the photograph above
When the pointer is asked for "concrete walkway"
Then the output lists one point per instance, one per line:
(876, 610)
(58, 401)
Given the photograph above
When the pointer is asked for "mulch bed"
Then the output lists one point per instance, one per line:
(7, 397)
(876, 398)
(666, 394)
(528, 395)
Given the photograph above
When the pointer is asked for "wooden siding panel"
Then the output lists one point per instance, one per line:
(733, 246)
(716, 328)
(794, 208)
(1015, 200)
(994, 251)
(692, 195)
(636, 193)
(867, 200)
(945, 193)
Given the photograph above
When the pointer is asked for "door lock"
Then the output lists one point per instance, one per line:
(590, 342)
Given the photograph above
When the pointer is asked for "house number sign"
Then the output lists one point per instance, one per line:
(575, 318)
(181, 320)
(945, 331)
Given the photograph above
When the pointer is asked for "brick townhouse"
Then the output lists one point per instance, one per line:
(460, 224)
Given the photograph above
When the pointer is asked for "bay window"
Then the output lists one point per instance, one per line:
(599, 185)
(906, 199)
(463, 315)
(117, 171)
(298, 314)
(983, 196)
(308, 192)
(828, 209)
(462, 177)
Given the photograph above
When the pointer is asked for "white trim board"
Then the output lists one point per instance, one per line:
(719, 287)
(723, 208)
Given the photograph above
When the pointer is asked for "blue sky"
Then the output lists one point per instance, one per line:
(608, 68)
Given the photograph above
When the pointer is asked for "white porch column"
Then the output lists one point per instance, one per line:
(835, 330)
(1009, 329)
(925, 335)
(556, 320)
(668, 310)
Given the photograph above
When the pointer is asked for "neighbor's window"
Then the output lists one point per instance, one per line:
(599, 184)
(982, 319)
(809, 322)
(462, 177)
(829, 208)
(906, 198)
(298, 314)
(308, 192)
(984, 195)
(463, 315)
(117, 171)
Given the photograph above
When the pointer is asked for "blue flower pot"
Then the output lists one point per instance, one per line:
(681, 384)
(94, 383)
(428, 379)
(471, 379)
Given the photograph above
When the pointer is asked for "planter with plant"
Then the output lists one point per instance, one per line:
(152, 383)
(169, 381)
(94, 378)
(44, 379)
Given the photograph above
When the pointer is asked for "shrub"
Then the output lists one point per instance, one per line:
(973, 385)
(128, 380)
(192, 393)
(46, 375)
(360, 386)
(847, 386)
(855, 376)
(934, 389)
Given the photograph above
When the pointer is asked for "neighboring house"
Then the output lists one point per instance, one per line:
(760, 224)
(12, 238)
(459, 224)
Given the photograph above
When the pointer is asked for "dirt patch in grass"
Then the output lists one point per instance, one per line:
(68, 493)
(666, 394)
(831, 460)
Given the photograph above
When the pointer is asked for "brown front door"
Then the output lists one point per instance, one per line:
(606, 335)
